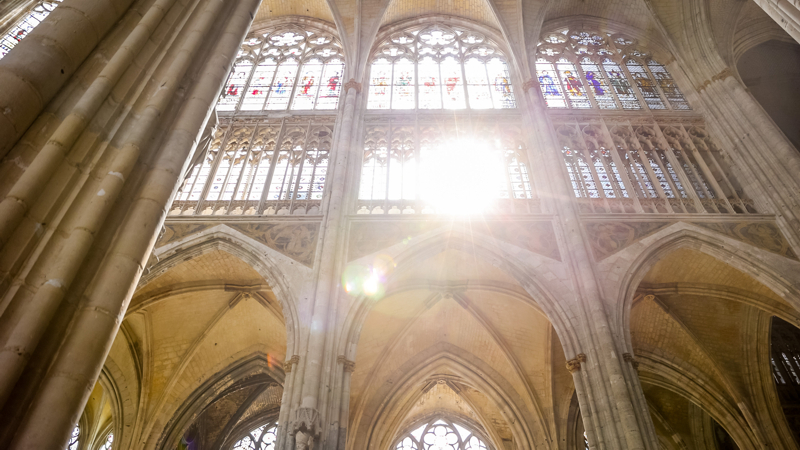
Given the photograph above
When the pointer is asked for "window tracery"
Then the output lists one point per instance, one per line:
(635, 166)
(260, 167)
(413, 168)
(260, 438)
(74, 439)
(441, 435)
(287, 68)
(26, 24)
(595, 70)
(437, 66)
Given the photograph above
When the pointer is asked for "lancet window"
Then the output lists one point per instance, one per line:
(654, 167)
(30, 20)
(74, 439)
(436, 66)
(599, 70)
(261, 438)
(287, 68)
(259, 167)
(442, 435)
(109, 442)
(472, 165)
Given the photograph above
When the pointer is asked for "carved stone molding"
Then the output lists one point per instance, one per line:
(574, 365)
(526, 86)
(290, 363)
(627, 357)
(607, 238)
(352, 84)
(305, 427)
(349, 366)
(295, 240)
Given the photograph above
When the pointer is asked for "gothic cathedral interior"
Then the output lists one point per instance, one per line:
(399, 224)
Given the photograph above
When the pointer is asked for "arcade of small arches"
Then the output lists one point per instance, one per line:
(429, 231)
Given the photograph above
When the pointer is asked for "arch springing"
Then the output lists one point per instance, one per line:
(261, 438)
(441, 434)
(587, 69)
(439, 67)
(26, 24)
(286, 68)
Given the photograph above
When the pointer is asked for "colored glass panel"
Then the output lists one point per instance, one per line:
(307, 85)
(403, 96)
(645, 84)
(331, 85)
(573, 87)
(235, 87)
(500, 79)
(282, 85)
(620, 85)
(548, 82)
(430, 87)
(24, 26)
(668, 86)
(596, 84)
(259, 86)
(453, 81)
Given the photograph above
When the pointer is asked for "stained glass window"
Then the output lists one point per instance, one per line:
(442, 435)
(285, 69)
(74, 439)
(261, 438)
(439, 67)
(109, 443)
(260, 167)
(26, 24)
(599, 70)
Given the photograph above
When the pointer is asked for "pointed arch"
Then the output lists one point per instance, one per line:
(742, 257)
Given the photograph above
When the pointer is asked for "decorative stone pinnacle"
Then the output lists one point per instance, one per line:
(293, 361)
(352, 84)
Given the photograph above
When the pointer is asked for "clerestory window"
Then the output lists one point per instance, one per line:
(30, 20)
(287, 68)
(109, 442)
(586, 70)
(74, 439)
(260, 438)
(439, 67)
(442, 435)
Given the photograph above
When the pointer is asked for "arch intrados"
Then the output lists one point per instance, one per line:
(720, 412)
(707, 244)
(222, 240)
(427, 367)
(492, 254)
(240, 430)
(652, 42)
(255, 369)
(303, 22)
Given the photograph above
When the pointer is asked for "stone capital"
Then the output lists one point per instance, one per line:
(348, 366)
(352, 84)
(527, 85)
(290, 363)
(574, 364)
(627, 357)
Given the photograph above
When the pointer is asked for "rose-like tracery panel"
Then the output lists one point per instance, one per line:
(441, 435)
(439, 67)
(288, 68)
(261, 438)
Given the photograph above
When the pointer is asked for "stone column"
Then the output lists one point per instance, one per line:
(65, 389)
(38, 67)
(306, 421)
(607, 399)
(28, 328)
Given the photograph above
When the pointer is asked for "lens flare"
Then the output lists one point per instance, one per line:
(462, 177)
(370, 280)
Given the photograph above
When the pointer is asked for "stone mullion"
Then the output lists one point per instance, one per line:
(677, 166)
(241, 173)
(611, 397)
(698, 157)
(587, 156)
(276, 153)
(725, 177)
(294, 189)
(643, 158)
(212, 171)
(668, 177)
(622, 169)
(62, 393)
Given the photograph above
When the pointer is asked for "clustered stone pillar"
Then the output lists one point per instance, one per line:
(306, 419)
(133, 181)
(606, 399)
(786, 13)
